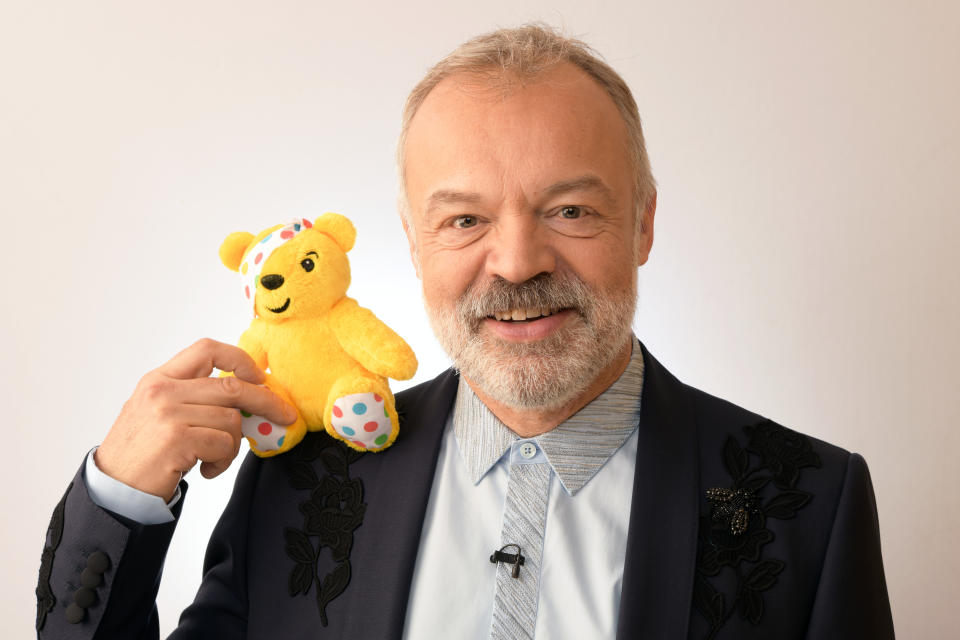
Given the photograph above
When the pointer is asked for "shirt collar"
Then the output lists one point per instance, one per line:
(576, 449)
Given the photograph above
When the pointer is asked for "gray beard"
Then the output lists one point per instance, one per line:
(548, 373)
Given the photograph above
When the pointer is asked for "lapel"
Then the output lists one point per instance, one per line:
(661, 543)
(397, 488)
(662, 540)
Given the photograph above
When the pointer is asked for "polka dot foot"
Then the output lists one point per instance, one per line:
(362, 420)
(264, 435)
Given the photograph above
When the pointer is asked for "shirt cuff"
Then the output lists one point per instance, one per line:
(123, 499)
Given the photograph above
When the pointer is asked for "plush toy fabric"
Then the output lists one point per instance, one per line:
(323, 353)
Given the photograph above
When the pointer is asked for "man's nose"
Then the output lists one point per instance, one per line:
(521, 250)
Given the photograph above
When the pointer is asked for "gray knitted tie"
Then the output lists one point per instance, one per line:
(524, 518)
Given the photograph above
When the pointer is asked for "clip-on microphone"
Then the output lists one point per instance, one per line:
(511, 558)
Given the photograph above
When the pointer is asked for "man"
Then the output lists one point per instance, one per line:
(560, 483)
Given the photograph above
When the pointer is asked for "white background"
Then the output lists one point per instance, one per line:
(805, 257)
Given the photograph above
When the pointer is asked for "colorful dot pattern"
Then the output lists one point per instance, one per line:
(264, 434)
(362, 419)
(257, 256)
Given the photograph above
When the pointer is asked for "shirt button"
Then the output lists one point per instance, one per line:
(528, 450)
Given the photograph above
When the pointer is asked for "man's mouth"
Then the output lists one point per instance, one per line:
(524, 315)
(281, 309)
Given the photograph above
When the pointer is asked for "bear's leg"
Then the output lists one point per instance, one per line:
(267, 438)
(360, 411)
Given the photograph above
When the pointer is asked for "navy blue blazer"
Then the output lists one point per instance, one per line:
(739, 529)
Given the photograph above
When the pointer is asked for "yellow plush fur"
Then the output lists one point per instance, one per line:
(323, 345)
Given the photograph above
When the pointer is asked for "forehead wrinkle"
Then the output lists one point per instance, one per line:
(511, 173)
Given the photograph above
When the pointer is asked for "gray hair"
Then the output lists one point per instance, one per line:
(524, 53)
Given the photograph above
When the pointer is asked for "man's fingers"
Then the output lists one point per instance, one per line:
(152, 440)
(212, 469)
(213, 446)
(211, 417)
(202, 357)
(233, 392)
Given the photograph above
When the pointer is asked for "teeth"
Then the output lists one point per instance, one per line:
(518, 315)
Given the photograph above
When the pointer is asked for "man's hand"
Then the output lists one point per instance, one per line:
(178, 415)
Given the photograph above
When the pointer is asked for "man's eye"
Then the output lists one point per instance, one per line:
(465, 222)
(307, 264)
(571, 213)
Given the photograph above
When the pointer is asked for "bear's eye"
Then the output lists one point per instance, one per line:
(307, 264)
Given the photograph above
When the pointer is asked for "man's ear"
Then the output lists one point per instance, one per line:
(644, 238)
(411, 240)
(337, 227)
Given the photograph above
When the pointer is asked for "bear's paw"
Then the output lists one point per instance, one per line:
(267, 438)
(362, 420)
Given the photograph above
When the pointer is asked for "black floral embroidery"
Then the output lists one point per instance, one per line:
(331, 514)
(732, 536)
(45, 598)
(782, 451)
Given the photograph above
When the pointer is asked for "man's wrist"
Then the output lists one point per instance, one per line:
(112, 494)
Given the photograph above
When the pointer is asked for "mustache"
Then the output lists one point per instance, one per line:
(543, 291)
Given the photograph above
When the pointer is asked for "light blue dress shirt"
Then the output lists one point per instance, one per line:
(123, 499)
(592, 458)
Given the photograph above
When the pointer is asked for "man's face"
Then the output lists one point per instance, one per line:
(522, 213)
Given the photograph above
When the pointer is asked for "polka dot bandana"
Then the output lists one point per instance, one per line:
(257, 255)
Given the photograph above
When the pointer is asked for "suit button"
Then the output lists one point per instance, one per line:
(75, 614)
(84, 597)
(90, 578)
(98, 562)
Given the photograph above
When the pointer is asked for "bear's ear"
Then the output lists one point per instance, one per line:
(231, 251)
(337, 227)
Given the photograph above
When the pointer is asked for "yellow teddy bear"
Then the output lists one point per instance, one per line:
(326, 355)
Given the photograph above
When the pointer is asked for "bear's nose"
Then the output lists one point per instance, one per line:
(272, 281)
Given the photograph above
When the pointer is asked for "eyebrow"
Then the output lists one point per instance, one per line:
(451, 196)
(587, 182)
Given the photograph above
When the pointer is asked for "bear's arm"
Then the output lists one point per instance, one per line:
(252, 341)
(370, 342)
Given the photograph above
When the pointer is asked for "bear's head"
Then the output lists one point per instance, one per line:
(297, 270)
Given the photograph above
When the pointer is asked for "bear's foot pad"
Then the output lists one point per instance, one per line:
(266, 435)
(362, 420)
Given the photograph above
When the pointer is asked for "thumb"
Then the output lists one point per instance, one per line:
(212, 469)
